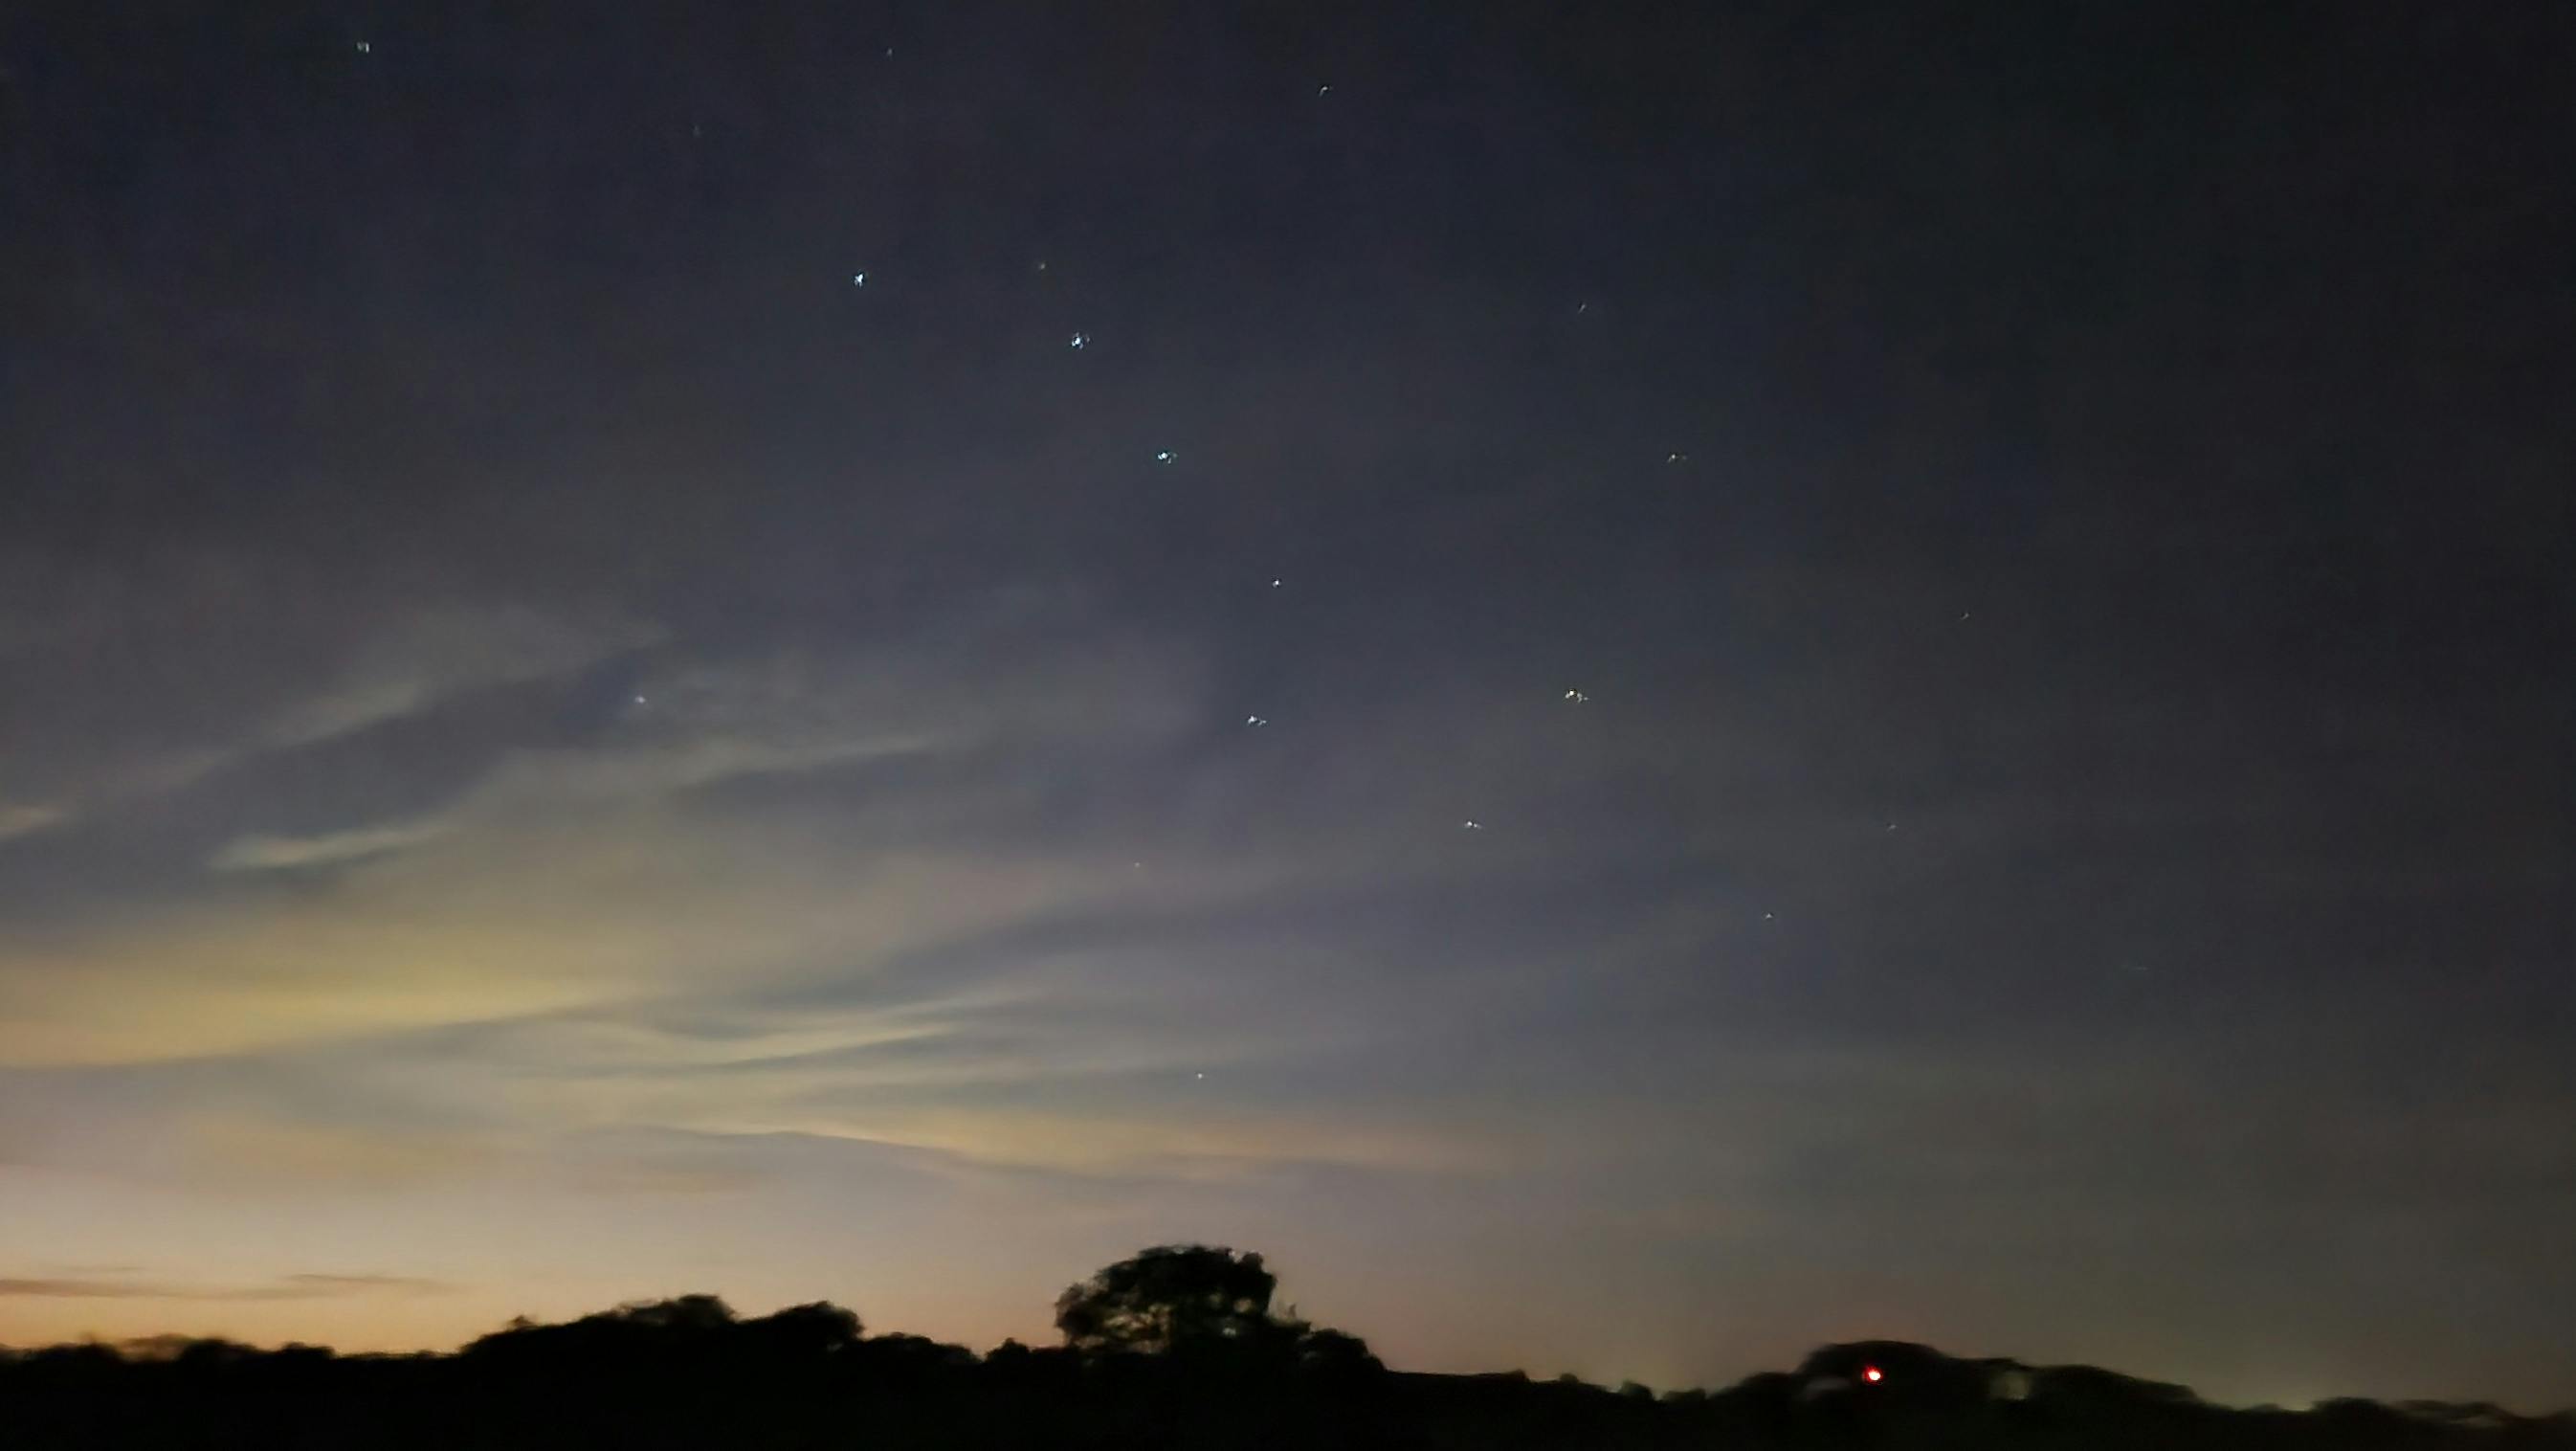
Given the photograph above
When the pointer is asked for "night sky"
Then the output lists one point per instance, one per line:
(1638, 685)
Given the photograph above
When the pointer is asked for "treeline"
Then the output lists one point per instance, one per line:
(1177, 1347)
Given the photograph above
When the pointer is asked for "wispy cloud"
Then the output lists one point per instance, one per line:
(271, 853)
(284, 1287)
(577, 878)
(20, 820)
(412, 658)
(1170, 1144)
(435, 654)
(320, 1284)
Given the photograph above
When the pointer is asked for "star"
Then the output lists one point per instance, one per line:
(1200, 1076)
(1767, 916)
(1577, 696)
(1276, 583)
(1677, 458)
(1255, 720)
(1163, 457)
(1081, 340)
(858, 279)
(365, 49)
(639, 700)
(1042, 267)
(1323, 90)
(1471, 825)
(1582, 307)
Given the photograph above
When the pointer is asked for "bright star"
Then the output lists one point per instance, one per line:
(858, 279)
(365, 49)
(1081, 339)
(1254, 720)
(1677, 458)
(1274, 584)
(1471, 826)
(1163, 457)
(1577, 696)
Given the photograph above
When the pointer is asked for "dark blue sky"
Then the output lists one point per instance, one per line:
(554, 746)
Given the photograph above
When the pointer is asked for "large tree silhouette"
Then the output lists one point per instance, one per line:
(1203, 1304)
(1174, 1298)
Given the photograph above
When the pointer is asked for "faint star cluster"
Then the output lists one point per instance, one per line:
(1079, 340)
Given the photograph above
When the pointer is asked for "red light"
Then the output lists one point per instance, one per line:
(1871, 1374)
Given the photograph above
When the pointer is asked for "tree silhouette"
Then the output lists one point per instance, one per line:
(1173, 1298)
(1335, 1353)
(804, 1330)
(686, 1314)
(1180, 1348)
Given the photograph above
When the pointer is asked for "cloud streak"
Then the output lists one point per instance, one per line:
(577, 877)
(284, 1287)
(17, 819)
(438, 653)
(286, 853)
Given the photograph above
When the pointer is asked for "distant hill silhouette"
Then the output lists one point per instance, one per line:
(1176, 1347)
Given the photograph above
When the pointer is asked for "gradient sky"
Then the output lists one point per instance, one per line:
(556, 747)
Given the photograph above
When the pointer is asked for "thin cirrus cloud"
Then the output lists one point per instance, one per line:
(436, 654)
(575, 878)
(540, 916)
(306, 1286)
(419, 659)
(22, 819)
(703, 724)
(259, 852)
(1021, 1074)
(1167, 1144)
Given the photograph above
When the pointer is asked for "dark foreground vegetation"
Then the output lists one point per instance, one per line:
(1178, 1347)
